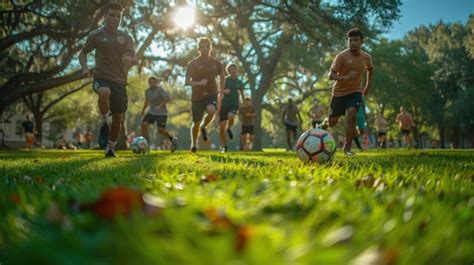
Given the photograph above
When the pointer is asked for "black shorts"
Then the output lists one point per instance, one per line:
(290, 128)
(316, 123)
(339, 105)
(382, 134)
(247, 129)
(405, 132)
(159, 119)
(118, 94)
(199, 107)
(225, 110)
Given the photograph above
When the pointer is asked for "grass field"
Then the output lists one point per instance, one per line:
(391, 207)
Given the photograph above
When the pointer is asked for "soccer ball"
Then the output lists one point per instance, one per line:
(140, 145)
(316, 145)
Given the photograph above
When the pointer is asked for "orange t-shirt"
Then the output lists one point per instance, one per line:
(404, 121)
(343, 64)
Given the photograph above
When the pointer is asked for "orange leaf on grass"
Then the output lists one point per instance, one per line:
(15, 198)
(117, 201)
(209, 178)
(243, 236)
(218, 218)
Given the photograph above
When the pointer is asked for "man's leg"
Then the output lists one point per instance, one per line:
(288, 139)
(144, 127)
(333, 121)
(222, 136)
(357, 138)
(230, 122)
(164, 133)
(210, 111)
(114, 132)
(209, 116)
(194, 132)
(104, 95)
(350, 129)
(242, 141)
(251, 138)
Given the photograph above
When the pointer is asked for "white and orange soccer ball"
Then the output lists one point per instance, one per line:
(316, 145)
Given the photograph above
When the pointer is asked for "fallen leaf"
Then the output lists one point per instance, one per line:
(15, 198)
(243, 236)
(117, 201)
(209, 178)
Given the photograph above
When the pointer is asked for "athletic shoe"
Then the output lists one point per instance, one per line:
(229, 132)
(110, 153)
(324, 125)
(224, 149)
(193, 149)
(104, 135)
(174, 144)
(348, 152)
(204, 134)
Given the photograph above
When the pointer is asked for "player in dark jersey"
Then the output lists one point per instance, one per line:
(114, 55)
(230, 105)
(206, 96)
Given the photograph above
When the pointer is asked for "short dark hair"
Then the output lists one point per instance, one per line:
(230, 66)
(204, 40)
(152, 77)
(114, 6)
(247, 98)
(354, 33)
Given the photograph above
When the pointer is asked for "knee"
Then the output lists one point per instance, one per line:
(104, 92)
(211, 109)
(333, 122)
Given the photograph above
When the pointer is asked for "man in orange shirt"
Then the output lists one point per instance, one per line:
(347, 70)
(406, 123)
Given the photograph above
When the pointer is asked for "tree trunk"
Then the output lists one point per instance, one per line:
(38, 118)
(441, 135)
(257, 144)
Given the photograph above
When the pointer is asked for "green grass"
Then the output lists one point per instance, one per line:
(422, 213)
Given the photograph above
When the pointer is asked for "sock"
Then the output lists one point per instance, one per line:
(104, 117)
(357, 142)
(111, 145)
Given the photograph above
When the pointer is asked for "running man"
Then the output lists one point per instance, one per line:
(381, 126)
(156, 99)
(114, 55)
(29, 131)
(247, 115)
(201, 76)
(230, 105)
(316, 112)
(347, 69)
(406, 123)
(291, 119)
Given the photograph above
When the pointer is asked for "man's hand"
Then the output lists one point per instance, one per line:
(203, 82)
(127, 60)
(226, 91)
(86, 72)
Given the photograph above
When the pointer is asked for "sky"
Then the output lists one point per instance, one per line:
(423, 12)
